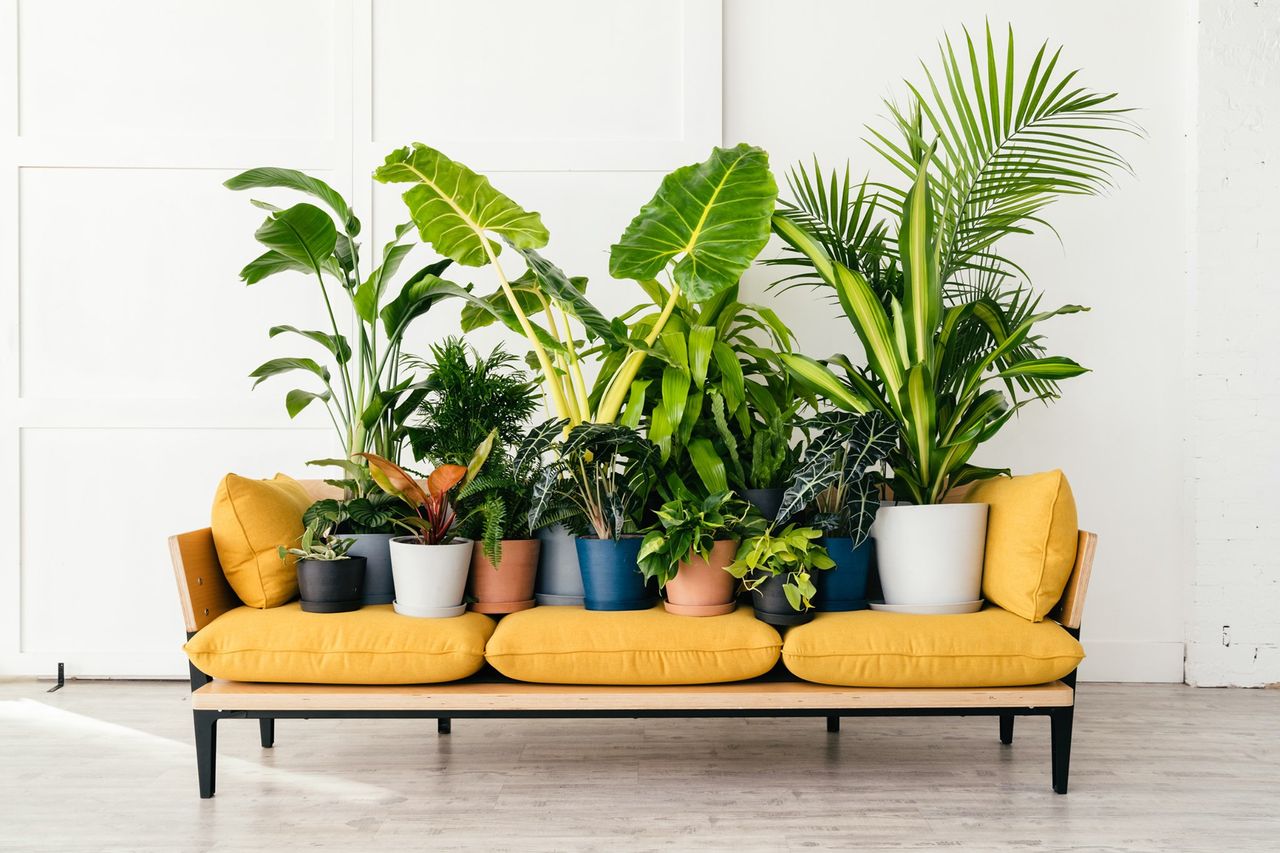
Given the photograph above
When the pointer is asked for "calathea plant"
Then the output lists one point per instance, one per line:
(837, 472)
(688, 525)
(948, 333)
(605, 472)
(375, 512)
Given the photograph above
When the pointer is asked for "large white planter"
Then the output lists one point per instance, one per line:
(430, 579)
(931, 554)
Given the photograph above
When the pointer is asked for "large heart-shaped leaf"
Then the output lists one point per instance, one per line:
(454, 208)
(710, 220)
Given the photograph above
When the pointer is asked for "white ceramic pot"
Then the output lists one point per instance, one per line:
(931, 554)
(430, 580)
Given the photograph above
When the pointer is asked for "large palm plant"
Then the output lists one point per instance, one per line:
(945, 319)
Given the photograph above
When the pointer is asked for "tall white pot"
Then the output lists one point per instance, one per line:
(931, 554)
(430, 580)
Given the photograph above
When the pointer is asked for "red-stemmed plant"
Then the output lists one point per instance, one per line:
(433, 515)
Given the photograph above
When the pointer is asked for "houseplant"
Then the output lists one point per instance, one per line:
(837, 475)
(493, 510)
(368, 523)
(687, 550)
(778, 567)
(606, 473)
(431, 564)
(948, 334)
(329, 579)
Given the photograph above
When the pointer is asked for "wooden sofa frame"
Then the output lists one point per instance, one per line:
(206, 595)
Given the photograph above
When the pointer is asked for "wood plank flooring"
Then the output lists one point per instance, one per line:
(109, 766)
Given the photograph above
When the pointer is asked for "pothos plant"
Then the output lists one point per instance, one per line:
(688, 526)
(838, 474)
(792, 553)
(700, 232)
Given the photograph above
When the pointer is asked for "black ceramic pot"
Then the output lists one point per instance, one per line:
(768, 501)
(331, 586)
(771, 604)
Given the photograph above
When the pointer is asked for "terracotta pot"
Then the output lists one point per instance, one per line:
(702, 587)
(509, 587)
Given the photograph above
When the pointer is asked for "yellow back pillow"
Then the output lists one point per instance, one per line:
(250, 519)
(1031, 541)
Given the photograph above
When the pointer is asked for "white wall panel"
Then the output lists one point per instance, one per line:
(98, 506)
(235, 68)
(149, 304)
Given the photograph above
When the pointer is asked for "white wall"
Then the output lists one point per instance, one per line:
(126, 336)
(1234, 633)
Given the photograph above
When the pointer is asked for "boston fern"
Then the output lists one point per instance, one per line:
(495, 504)
(465, 397)
(947, 329)
(837, 472)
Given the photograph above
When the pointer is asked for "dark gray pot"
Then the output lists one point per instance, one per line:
(559, 578)
(331, 586)
(376, 550)
(772, 607)
(768, 501)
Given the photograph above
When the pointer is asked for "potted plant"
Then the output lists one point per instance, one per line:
(606, 472)
(837, 475)
(778, 568)
(329, 579)
(773, 456)
(688, 550)
(368, 523)
(432, 563)
(493, 510)
(948, 332)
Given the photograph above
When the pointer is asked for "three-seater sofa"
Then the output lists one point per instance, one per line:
(280, 662)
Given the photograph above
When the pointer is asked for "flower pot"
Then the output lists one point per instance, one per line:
(376, 550)
(702, 587)
(559, 578)
(430, 579)
(771, 604)
(843, 587)
(509, 586)
(611, 578)
(768, 501)
(331, 586)
(931, 554)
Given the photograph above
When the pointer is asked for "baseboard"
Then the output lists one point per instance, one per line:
(1121, 661)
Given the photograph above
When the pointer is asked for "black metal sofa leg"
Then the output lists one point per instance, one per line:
(444, 725)
(833, 724)
(1060, 720)
(206, 751)
(267, 731)
(1006, 728)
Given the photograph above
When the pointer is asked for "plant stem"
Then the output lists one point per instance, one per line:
(620, 385)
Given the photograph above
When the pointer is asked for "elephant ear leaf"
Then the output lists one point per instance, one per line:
(456, 209)
(710, 219)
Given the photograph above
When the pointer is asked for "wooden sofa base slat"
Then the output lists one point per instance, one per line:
(782, 698)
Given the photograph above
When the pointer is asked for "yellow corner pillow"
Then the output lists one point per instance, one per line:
(250, 519)
(1031, 541)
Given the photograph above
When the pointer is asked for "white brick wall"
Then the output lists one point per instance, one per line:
(1233, 631)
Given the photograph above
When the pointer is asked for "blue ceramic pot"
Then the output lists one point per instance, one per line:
(611, 578)
(844, 587)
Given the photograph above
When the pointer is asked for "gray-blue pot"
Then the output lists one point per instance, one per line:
(559, 578)
(379, 588)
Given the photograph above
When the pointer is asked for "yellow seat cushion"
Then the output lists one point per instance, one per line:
(1031, 541)
(990, 648)
(372, 645)
(570, 645)
(250, 519)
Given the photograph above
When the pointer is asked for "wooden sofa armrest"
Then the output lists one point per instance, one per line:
(202, 588)
(1070, 607)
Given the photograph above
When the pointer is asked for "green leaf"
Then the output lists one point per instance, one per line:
(270, 176)
(276, 366)
(569, 293)
(297, 400)
(675, 393)
(710, 220)
(420, 294)
(369, 293)
(269, 263)
(701, 341)
(336, 344)
(732, 382)
(709, 465)
(355, 469)
(1052, 367)
(304, 234)
(455, 208)
(820, 378)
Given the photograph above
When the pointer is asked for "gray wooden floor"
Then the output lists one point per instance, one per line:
(110, 766)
